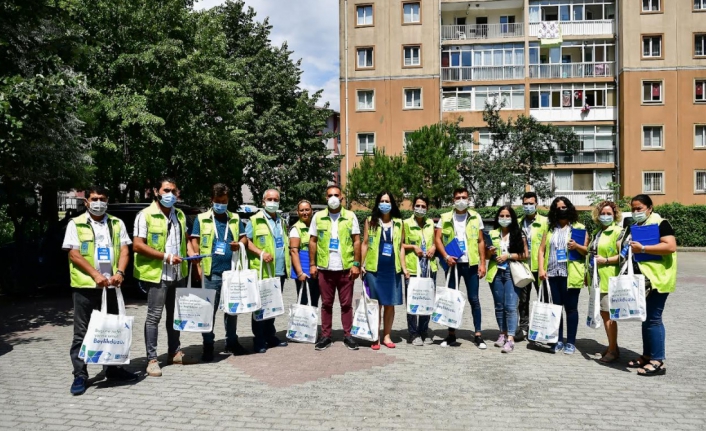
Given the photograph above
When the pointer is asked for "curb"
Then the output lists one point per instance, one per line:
(691, 249)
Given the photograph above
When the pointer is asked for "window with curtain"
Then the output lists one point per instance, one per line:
(366, 100)
(412, 56)
(365, 58)
(412, 98)
(700, 136)
(700, 181)
(602, 179)
(365, 14)
(652, 136)
(562, 181)
(652, 92)
(412, 12)
(366, 142)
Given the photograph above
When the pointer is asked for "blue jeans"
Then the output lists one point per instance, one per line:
(506, 297)
(231, 322)
(264, 331)
(470, 277)
(653, 334)
(569, 298)
(417, 325)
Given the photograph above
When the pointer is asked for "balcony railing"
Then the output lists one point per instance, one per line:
(580, 198)
(482, 73)
(482, 31)
(589, 156)
(596, 113)
(580, 28)
(573, 70)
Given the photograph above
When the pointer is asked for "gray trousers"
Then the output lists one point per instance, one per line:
(159, 296)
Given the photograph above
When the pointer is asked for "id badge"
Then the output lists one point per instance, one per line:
(155, 238)
(503, 265)
(333, 244)
(561, 255)
(104, 254)
(84, 248)
(279, 242)
(387, 249)
(424, 248)
(220, 248)
(462, 246)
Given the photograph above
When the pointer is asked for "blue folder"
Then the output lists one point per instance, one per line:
(646, 235)
(201, 256)
(579, 237)
(304, 260)
(452, 249)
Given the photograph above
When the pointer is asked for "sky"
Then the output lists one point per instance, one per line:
(310, 27)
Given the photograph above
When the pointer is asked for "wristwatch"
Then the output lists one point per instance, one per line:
(120, 273)
(356, 264)
(643, 249)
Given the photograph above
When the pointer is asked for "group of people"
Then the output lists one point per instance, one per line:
(392, 251)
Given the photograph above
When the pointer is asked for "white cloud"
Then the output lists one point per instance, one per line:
(310, 28)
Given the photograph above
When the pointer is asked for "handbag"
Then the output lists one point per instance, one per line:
(544, 319)
(303, 319)
(420, 293)
(521, 274)
(194, 307)
(108, 337)
(626, 294)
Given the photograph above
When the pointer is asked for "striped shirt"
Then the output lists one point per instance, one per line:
(559, 240)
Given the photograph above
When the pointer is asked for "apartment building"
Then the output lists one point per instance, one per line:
(580, 64)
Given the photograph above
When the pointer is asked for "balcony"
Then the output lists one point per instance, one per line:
(580, 198)
(606, 113)
(482, 31)
(482, 73)
(572, 70)
(585, 157)
(580, 28)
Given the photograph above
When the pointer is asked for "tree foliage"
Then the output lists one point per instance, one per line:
(376, 172)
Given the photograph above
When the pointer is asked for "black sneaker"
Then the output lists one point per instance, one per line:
(207, 355)
(478, 341)
(120, 374)
(323, 344)
(350, 343)
(78, 387)
(236, 349)
(449, 341)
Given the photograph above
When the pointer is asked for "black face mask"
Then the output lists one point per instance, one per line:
(562, 214)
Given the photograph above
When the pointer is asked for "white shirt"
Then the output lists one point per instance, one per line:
(335, 263)
(294, 233)
(169, 272)
(102, 239)
(460, 230)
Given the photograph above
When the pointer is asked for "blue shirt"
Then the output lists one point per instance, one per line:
(276, 229)
(219, 263)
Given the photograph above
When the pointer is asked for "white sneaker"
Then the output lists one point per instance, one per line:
(417, 341)
(478, 341)
(153, 369)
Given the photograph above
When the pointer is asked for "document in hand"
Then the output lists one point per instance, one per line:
(646, 235)
(579, 237)
(304, 261)
(454, 249)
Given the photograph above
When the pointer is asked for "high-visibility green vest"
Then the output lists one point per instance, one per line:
(146, 268)
(345, 239)
(304, 236)
(79, 278)
(413, 235)
(537, 231)
(575, 268)
(208, 237)
(374, 235)
(607, 247)
(495, 235)
(662, 273)
(264, 239)
(448, 233)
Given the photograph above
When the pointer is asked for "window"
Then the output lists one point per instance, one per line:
(365, 15)
(412, 98)
(572, 96)
(651, 46)
(652, 137)
(699, 4)
(652, 92)
(653, 182)
(700, 45)
(366, 142)
(412, 56)
(366, 100)
(411, 13)
(507, 24)
(700, 181)
(700, 90)
(365, 58)
(651, 6)
(700, 136)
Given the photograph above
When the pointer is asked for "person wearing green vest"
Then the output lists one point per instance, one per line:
(419, 247)
(604, 252)
(217, 232)
(160, 242)
(508, 244)
(334, 259)
(268, 245)
(466, 227)
(660, 280)
(534, 226)
(383, 263)
(565, 276)
(98, 255)
(299, 250)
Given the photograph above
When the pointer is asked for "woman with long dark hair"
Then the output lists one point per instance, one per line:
(508, 244)
(565, 276)
(383, 260)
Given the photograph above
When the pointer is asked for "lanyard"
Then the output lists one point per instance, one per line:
(178, 230)
(110, 229)
(215, 228)
(382, 227)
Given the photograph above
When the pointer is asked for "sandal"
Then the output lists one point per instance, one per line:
(638, 363)
(610, 357)
(656, 369)
(389, 345)
(375, 346)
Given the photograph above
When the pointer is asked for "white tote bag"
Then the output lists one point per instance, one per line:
(626, 294)
(108, 337)
(521, 274)
(193, 307)
(420, 293)
(270, 295)
(593, 317)
(544, 319)
(449, 304)
(366, 319)
(239, 290)
(303, 319)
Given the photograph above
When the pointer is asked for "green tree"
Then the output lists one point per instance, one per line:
(376, 172)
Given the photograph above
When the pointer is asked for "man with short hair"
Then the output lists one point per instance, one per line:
(334, 255)
(98, 255)
(466, 226)
(534, 226)
(216, 232)
(267, 236)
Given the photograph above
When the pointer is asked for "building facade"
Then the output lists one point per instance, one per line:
(583, 64)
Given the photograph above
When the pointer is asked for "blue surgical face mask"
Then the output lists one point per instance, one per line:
(606, 220)
(529, 209)
(168, 199)
(504, 222)
(639, 217)
(220, 208)
(385, 207)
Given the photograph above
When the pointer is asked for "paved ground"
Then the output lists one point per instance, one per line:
(408, 387)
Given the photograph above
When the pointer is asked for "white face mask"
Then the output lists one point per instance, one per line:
(97, 208)
(271, 206)
(420, 212)
(504, 222)
(461, 204)
(334, 202)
